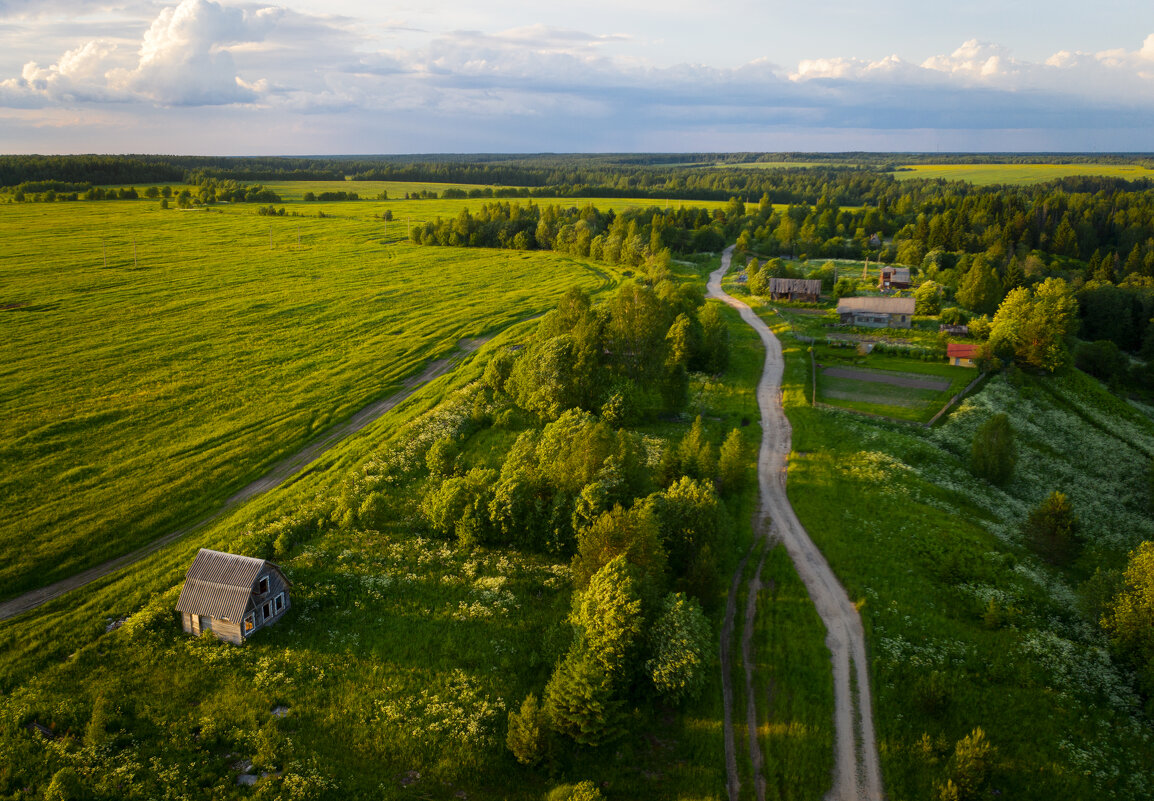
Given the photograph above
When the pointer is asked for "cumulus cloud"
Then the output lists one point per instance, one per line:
(185, 60)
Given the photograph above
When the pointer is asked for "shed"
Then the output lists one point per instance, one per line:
(877, 312)
(894, 278)
(962, 355)
(795, 288)
(232, 596)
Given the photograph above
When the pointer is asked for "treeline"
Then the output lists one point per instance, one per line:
(208, 192)
(632, 237)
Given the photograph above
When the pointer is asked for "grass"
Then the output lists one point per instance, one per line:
(398, 661)
(142, 394)
(1019, 174)
(966, 627)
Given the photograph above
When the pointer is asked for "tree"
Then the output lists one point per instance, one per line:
(682, 641)
(980, 290)
(1103, 360)
(608, 616)
(579, 700)
(732, 463)
(969, 768)
(1052, 530)
(528, 732)
(714, 339)
(1130, 617)
(928, 298)
(993, 454)
(1032, 326)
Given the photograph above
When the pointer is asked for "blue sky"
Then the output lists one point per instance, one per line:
(343, 76)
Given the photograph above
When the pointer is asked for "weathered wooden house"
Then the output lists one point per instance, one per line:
(961, 355)
(894, 278)
(795, 288)
(877, 312)
(231, 596)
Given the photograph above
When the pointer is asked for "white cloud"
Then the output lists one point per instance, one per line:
(185, 57)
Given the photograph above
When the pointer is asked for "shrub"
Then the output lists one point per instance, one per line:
(1052, 530)
(993, 454)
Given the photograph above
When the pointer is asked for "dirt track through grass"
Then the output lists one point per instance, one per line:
(857, 774)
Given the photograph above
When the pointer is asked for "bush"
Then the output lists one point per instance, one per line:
(993, 454)
(583, 791)
(1052, 530)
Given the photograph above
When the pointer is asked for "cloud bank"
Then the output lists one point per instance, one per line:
(543, 88)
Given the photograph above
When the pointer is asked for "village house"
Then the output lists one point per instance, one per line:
(876, 312)
(894, 278)
(795, 288)
(231, 596)
(962, 355)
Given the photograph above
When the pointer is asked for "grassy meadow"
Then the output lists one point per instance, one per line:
(1019, 174)
(967, 628)
(400, 659)
(141, 394)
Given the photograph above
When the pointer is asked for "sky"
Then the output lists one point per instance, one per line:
(317, 77)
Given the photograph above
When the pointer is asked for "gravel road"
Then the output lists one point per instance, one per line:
(856, 775)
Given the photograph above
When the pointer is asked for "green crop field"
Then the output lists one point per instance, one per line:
(141, 394)
(983, 174)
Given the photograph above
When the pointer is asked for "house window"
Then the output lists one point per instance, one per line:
(266, 612)
(262, 588)
(279, 603)
(249, 622)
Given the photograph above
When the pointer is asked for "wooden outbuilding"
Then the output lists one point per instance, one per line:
(877, 312)
(795, 288)
(232, 596)
(894, 278)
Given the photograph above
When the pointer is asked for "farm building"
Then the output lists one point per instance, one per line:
(954, 330)
(894, 278)
(877, 312)
(795, 288)
(961, 355)
(231, 596)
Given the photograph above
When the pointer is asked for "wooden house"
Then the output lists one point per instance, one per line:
(962, 355)
(232, 596)
(795, 288)
(894, 278)
(876, 312)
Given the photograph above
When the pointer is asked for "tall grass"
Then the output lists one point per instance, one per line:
(140, 395)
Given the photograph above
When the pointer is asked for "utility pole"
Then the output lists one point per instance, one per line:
(104, 248)
(270, 237)
(134, 262)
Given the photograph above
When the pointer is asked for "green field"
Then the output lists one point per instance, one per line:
(967, 628)
(1019, 174)
(141, 394)
(401, 657)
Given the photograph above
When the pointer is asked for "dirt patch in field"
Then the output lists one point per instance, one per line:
(908, 380)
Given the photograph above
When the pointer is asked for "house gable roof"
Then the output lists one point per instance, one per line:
(877, 305)
(220, 585)
(961, 351)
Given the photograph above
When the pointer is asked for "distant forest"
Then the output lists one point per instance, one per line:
(839, 178)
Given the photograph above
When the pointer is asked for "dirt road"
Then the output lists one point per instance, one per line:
(280, 472)
(856, 774)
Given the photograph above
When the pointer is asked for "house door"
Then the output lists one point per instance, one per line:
(195, 624)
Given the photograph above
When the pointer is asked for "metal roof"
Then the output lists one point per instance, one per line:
(220, 584)
(877, 305)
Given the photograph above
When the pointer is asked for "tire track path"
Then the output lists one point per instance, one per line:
(856, 774)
